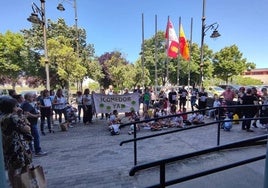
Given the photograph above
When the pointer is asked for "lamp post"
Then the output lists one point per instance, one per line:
(35, 19)
(60, 7)
(215, 34)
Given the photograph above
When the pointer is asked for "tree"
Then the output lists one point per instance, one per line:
(12, 57)
(57, 31)
(229, 62)
(111, 63)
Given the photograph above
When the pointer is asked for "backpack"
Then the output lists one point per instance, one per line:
(227, 126)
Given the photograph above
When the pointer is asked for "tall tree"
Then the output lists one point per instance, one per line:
(55, 30)
(229, 62)
(12, 57)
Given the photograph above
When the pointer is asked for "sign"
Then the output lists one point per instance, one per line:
(121, 103)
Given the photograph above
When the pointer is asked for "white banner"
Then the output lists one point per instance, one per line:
(121, 103)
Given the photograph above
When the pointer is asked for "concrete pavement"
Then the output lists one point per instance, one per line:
(88, 156)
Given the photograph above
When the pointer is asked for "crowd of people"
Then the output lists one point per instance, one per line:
(20, 115)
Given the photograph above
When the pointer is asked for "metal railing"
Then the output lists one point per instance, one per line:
(162, 163)
(218, 122)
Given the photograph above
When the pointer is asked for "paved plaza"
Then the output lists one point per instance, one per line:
(88, 156)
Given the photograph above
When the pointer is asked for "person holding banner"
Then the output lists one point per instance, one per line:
(87, 107)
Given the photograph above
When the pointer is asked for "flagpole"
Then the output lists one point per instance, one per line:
(142, 56)
(178, 68)
(156, 58)
(167, 60)
(190, 51)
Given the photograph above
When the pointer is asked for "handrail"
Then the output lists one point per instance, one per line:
(196, 153)
(208, 172)
(162, 163)
(218, 122)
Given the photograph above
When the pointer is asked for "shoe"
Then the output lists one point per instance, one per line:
(41, 153)
(70, 126)
(43, 133)
(51, 131)
(254, 125)
(250, 130)
(243, 128)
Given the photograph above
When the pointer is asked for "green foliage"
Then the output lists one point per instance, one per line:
(229, 62)
(65, 66)
(244, 80)
(12, 56)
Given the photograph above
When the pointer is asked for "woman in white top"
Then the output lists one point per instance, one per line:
(59, 105)
(46, 110)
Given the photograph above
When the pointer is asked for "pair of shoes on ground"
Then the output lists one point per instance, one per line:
(254, 125)
(41, 153)
(248, 130)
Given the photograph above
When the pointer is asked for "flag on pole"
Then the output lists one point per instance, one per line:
(172, 41)
(184, 48)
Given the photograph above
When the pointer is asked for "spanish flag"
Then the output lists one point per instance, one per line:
(172, 41)
(184, 49)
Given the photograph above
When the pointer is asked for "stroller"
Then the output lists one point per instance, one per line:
(71, 113)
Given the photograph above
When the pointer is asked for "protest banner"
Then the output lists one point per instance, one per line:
(121, 103)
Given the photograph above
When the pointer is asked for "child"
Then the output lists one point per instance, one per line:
(114, 123)
(133, 117)
(196, 118)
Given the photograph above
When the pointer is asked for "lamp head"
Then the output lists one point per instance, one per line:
(34, 18)
(60, 7)
(215, 34)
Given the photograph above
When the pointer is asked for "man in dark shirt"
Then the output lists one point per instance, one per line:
(183, 97)
(32, 114)
(248, 112)
(172, 97)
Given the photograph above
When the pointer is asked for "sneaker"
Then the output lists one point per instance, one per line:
(71, 126)
(41, 153)
(254, 125)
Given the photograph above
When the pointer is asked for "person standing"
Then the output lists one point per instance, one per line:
(202, 100)
(257, 112)
(139, 91)
(31, 112)
(183, 93)
(87, 107)
(16, 135)
(45, 106)
(228, 96)
(194, 93)
(172, 97)
(79, 102)
(248, 112)
(264, 109)
(146, 99)
(59, 105)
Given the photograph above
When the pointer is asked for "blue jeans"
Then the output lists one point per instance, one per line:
(35, 134)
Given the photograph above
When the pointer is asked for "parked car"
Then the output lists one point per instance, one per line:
(233, 87)
(215, 90)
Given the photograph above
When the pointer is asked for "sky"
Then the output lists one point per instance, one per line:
(117, 24)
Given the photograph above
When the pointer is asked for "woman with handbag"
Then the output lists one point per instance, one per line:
(16, 135)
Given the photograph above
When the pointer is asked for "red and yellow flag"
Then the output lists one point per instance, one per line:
(184, 49)
(172, 41)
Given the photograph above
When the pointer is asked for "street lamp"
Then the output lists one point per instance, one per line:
(35, 19)
(214, 34)
(60, 7)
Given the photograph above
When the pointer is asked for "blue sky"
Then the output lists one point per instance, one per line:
(116, 24)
